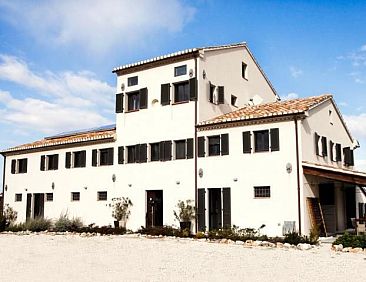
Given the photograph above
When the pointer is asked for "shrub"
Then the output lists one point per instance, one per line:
(354, 241)
(121, 208)
(104, 230)
(64, 223)
(186, 211)
(8, 217)
(235, 233)
(161, 230)
(294, 238)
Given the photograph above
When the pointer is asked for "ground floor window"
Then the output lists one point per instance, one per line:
(75, 196)
(49, 197)
(102, 196)
(18, 197)
(262, 192)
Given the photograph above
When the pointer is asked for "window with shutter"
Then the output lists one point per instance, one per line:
(331, 149)
(167, 150)
(214, 145)
(52, 162)
(211, 94)
(143, 153)
(119, 103)
(154, 152)
(94, 157)
(133, 101)
(68, 160)
(338, 152)
(247, 146)
(348, 156)
(201, 146)
(110, 156)
(20, 166)
(180, 149)
(317, 137)
(161, 151)
(181, 92)
(43, 160)
(221, 94)
(120, 155)
(190, 148)
(226, 206)
(324, 146)
(193, 89)
(131, 154)
(106, 156)
(201, 216)
(137, 153)
(79, 158)
(224, 144)
(275, 140)
(261, 141)
(13, 166)
(143, 98)
(165, 94)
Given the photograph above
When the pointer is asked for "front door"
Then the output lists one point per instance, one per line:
(215, 215)
(38, 205)
(154, 208)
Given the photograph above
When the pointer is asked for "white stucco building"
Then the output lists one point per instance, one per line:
(202, 124)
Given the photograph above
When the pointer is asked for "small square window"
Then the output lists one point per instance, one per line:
(244, 70)
(181, 70)
(214, 145)
(49, 197)
(75, 196)
(233, 100)
(131, 81)
(261, 140)
(133, 101)
(262, 192)
(181, 92)
(180, 149)
(18, 197)
(154, 152)
(102, 196)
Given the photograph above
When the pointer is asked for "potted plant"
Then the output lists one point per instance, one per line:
(185, 214)
(121, 211)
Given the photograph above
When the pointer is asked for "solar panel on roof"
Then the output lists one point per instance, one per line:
(81, 131)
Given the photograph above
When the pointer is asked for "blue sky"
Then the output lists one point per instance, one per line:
(56, 57)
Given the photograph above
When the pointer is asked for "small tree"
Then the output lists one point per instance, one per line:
(10, 215)
(121, 208)
(186, 211)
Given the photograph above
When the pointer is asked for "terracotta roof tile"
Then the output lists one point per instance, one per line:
(75, 138)
(279, 108)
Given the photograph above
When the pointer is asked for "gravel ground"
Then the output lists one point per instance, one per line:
(124, 258)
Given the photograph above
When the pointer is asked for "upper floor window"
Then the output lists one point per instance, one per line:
(133, 80)
(264, 140)
(75, 159)
(244, 70)
(214, 145)
(19, 166)
(180, 149)
(49, 162)
(181, 92)
(133, 101)
(261, 140)
(233, 100)
(181, 70)
(154, 152)
(102, 157)
(321, 142)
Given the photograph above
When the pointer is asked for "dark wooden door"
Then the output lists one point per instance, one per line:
(201, 210)
(154, 208)
(350, 195)
(215, 218)
(29, 206)
(38, 205)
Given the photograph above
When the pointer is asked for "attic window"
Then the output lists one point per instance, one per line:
(233, 100)
(181, 70)
(331, 117)
(244, 70)
(131, 81)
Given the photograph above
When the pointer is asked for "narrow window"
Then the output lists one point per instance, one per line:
(165, 94)
(348, 156)
(190, 148)
(324, 146)
(181, 92)
(75, 196)
(180, 149)
(106, 156)
(120, 155)
(316, 139)
(18, 197)
(262, 192)
(131, 154)
(275, 139)
(154, 152)
(119, 103)
(261, 141)
(244, 70)
(131, 81)
(181, 70)
(212, 94)
(102, 196)
(201, 146)
(214, 145)
(331, 117)
(79, 158)
(233, 100)
(22, 165)
(52, 162)
(247, 147)
(49, 197)
(133, 101)
(338, 152)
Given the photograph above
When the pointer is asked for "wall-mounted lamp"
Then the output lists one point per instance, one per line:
(235, 179)
(204, 74)
(85, 187)
(25, 189)
(6, 187)
(53, 185)
(129, 185)
(114, 178)
(177, 182)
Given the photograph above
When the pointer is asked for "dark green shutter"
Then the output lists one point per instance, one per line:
(167, 150)
(83, 159)
(324, 146)
(110, 156)
(119, 103)
(226, 201)
(95, 157)
(143, 153)
(317, 137)
(120, 155)
(351, 158)
(43, 162)
(275, 140)
(221, 94)
(201, 146)
(13, 166)
(143, 98)
(165, 94)
(26, 165)
(68, 160)
(55, 162)
(224, 144)
(190, 148)
(331, 145)
(201, 217)
(211, 92)
(247, 146)
(193, 89)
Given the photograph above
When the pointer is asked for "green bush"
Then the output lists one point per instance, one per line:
(8, 217)
(64, 223)
(104, 230)
(235, 234)
(294, 238)
(162, 230)
(35, 225)
(354, 241)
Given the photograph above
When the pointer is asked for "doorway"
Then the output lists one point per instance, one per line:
(38, 205)
(214, 203)
(29, 206)
(154, 208)
(350, 199)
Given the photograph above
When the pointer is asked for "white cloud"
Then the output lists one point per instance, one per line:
(360, 165)
(97, 25)
(357, 125)
(295, 72)
(290, 96)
